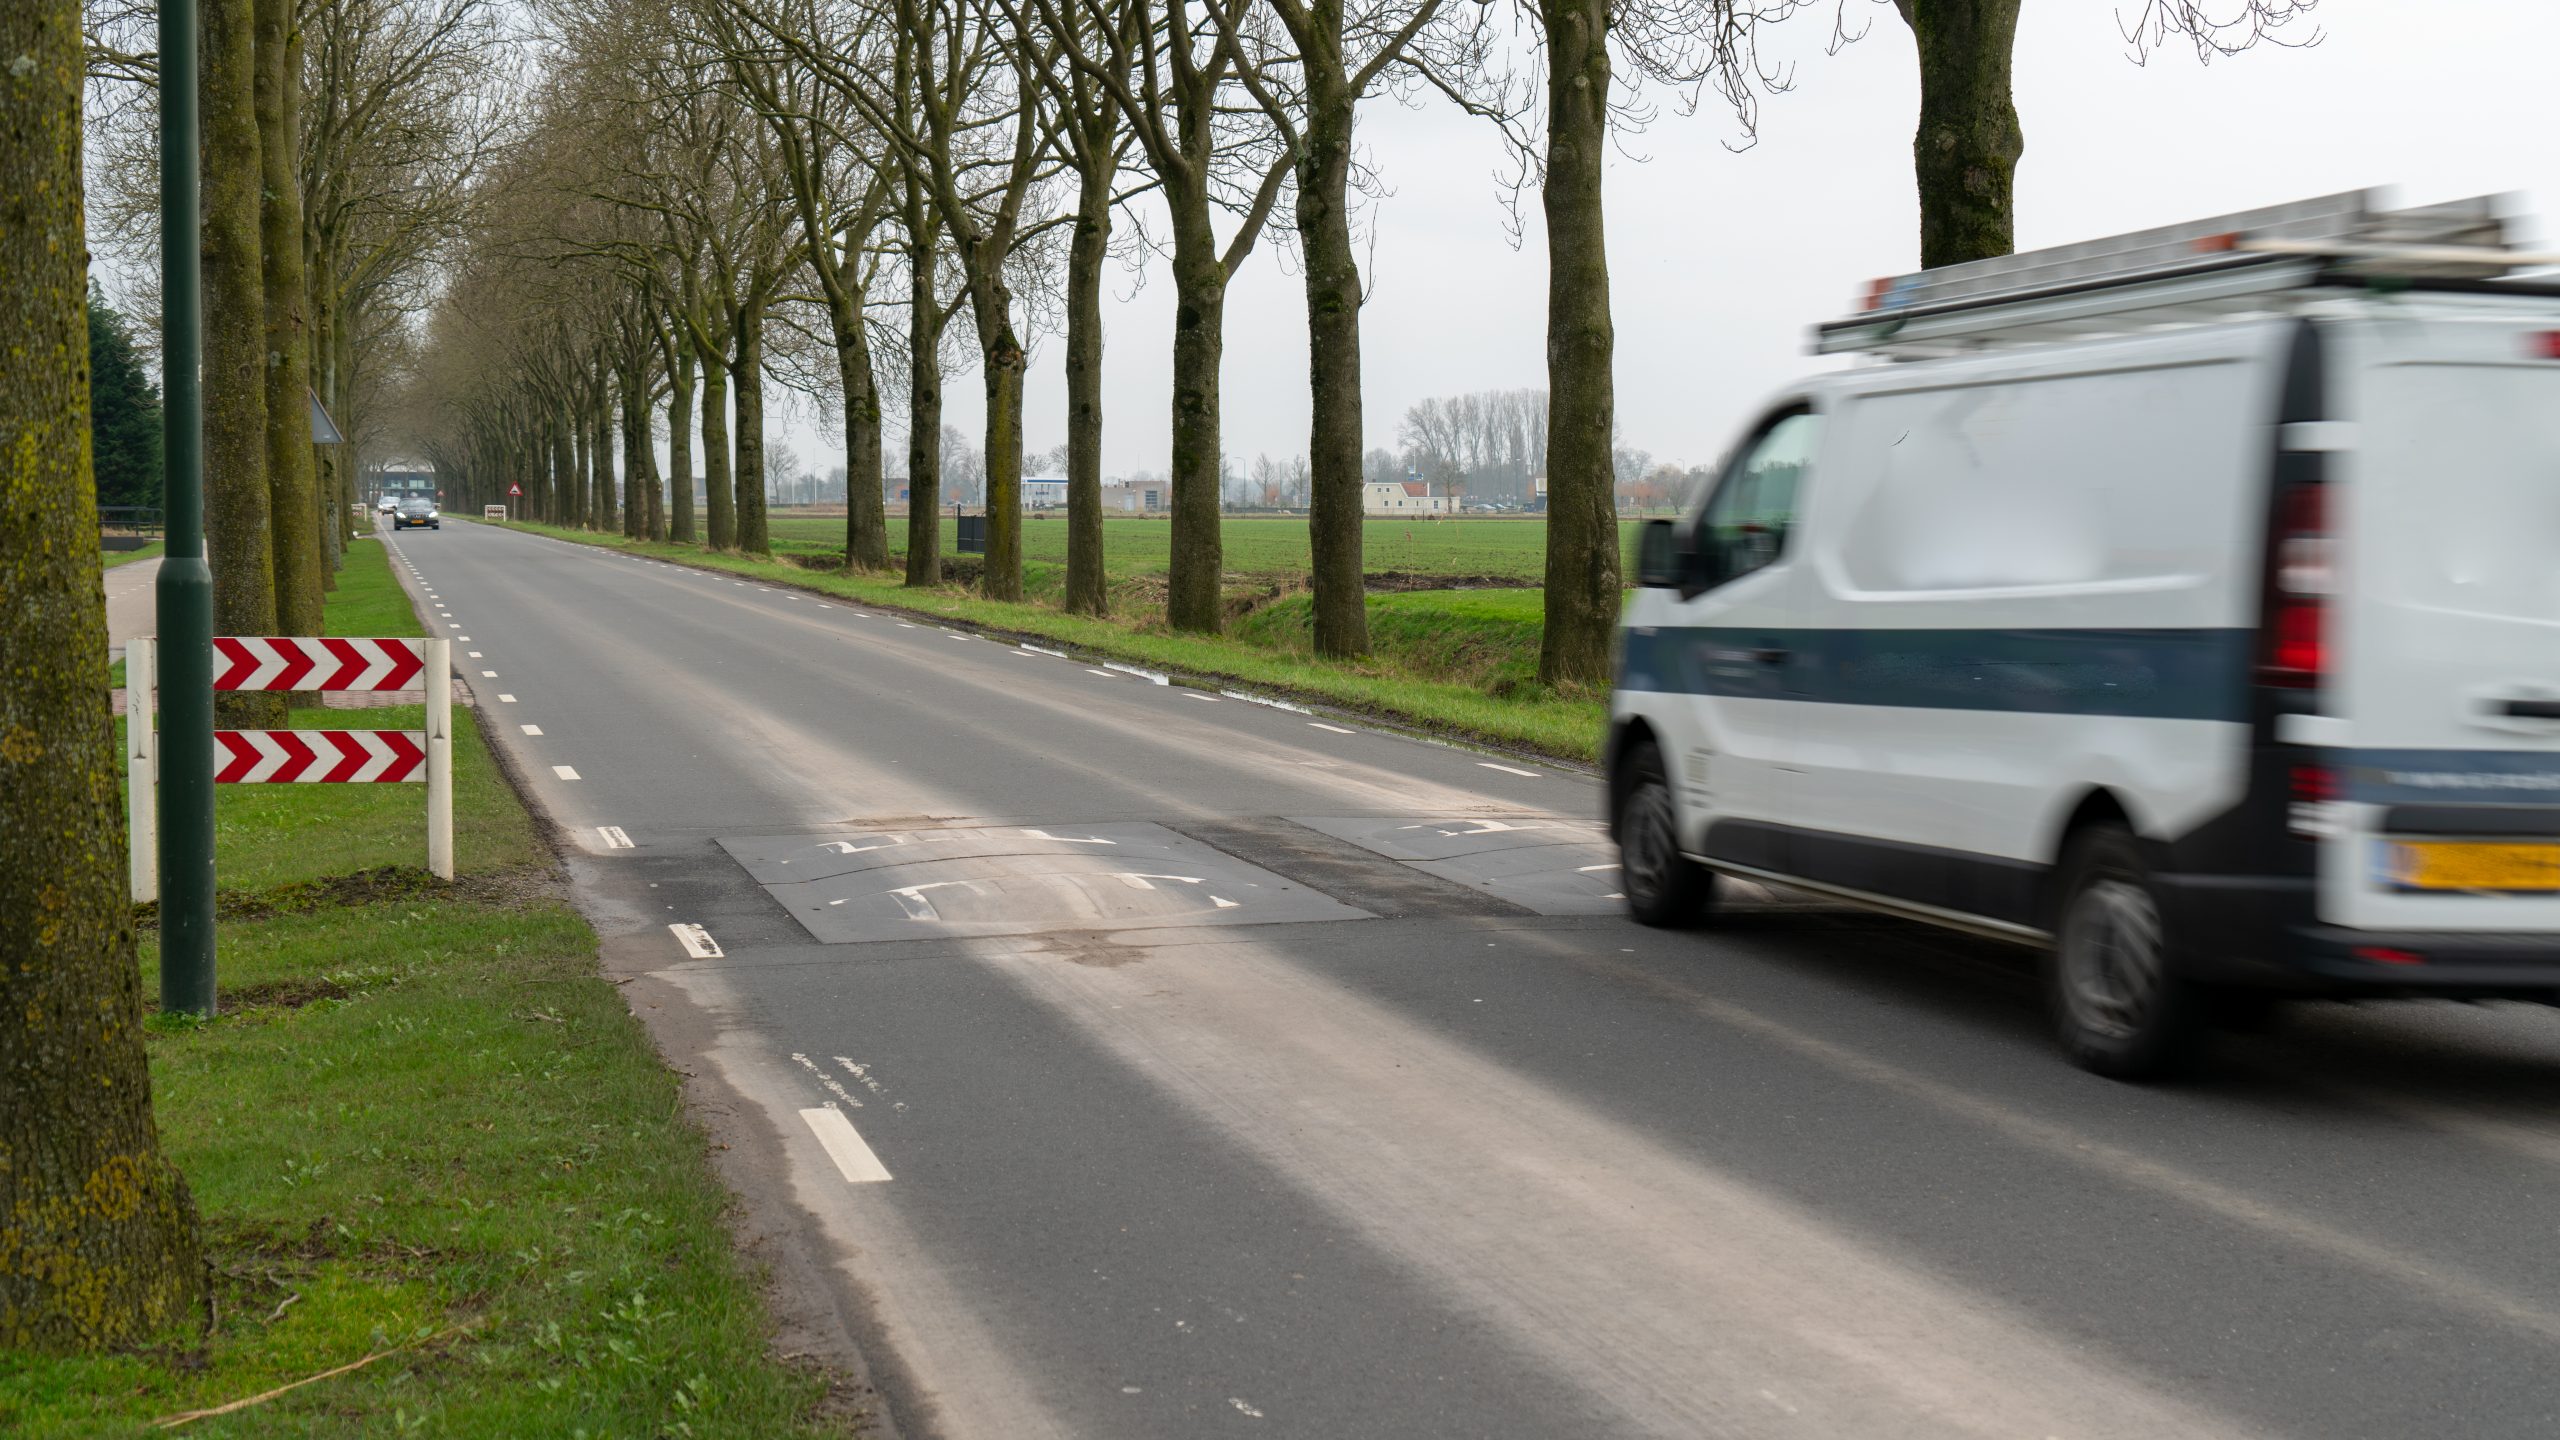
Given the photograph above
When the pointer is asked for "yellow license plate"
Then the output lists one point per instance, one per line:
(2472, 865)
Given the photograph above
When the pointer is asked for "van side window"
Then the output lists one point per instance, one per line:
(1747, 519)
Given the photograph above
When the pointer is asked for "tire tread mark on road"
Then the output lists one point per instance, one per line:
(1359, 878)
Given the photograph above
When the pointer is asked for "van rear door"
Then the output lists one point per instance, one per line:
(2444, 646)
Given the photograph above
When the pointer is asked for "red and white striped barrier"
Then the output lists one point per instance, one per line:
(271, 662)
(301, 757)
(318, 757)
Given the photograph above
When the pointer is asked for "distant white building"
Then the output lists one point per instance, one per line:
(1135, 497)
(1043, 494)
(1405, 497)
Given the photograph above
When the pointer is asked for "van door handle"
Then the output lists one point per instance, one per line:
(1771, 655)
(2533, 709)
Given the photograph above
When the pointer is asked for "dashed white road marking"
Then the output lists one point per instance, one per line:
(697, 942)
(844, 1146)
(472, 654)
(1142, 674)
(1336, 729)
(488, 674)
(903, 625)
(1587, 869)
(465, 639)
(614, 837)
(455, 625)
(564, 772)
(1044, 650)
(1105, 674)
(506, 699)
(1508, 769)
(1196, 695)
(532, 729)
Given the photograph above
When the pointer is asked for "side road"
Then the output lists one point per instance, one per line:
(1556, 726)
(447, 1185)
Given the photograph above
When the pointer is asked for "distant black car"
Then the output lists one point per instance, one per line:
(416, 510)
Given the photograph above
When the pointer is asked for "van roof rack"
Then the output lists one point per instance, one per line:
(2199, 271)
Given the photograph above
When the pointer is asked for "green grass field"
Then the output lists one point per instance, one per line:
(425, 1130)
(1258, 550)
(110, 559)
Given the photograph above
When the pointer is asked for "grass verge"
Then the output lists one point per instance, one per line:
(426, 1130)
(110, 559)
(1511, 709)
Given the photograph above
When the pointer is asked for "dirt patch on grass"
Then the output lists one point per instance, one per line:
(514, 886)
(284, 994)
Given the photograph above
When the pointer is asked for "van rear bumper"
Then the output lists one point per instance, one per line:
(2261, 932)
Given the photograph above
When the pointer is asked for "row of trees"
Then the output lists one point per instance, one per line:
(826, 189)
(341, 139)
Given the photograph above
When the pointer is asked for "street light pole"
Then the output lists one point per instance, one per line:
(183, 593)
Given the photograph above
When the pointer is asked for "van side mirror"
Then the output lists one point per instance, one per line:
(1657, 556)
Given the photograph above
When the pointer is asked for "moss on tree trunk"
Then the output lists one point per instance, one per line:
(1582, 522)
(1333, 363)
(1965, 154)
(680, 445)
(1198, 562)
(1088, 592)
(239, 518)
(749, 377)
(98, 1244)
(716, 491)
(293, 495)
(924, 407)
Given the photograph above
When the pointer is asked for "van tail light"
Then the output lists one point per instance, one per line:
(2294, 644)
(2313, 815)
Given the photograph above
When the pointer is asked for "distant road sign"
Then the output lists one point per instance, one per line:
(514, 489)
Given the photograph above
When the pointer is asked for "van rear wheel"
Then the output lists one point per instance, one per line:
(2119, 1008)
(1664, 888)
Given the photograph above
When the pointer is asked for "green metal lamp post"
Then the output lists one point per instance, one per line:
(183, 593)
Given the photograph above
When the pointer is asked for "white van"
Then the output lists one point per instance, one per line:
(2185, 604)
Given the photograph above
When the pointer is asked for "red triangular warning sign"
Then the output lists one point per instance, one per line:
(515, 489)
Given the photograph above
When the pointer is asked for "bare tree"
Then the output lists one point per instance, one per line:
(1170, 76)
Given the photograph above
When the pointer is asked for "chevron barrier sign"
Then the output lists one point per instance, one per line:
(242, 662)
(318, 757)
(301, 757)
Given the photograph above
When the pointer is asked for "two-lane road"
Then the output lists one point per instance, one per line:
(1108, 1058)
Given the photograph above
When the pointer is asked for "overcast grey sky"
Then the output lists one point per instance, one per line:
(1720, 260)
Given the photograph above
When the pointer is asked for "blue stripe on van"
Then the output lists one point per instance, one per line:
(2451, 777)
(2151, 674)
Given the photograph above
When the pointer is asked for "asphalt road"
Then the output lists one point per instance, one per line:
(1104, 1058)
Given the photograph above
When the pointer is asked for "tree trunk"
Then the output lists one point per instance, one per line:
(639, 466)
(292, 484)
(1966, 151)
(715, 453)
(866, 519)
(750, 376)
(924, 420)
(1582, 522)
(1087, 591)
(601, 486)
(99, 1249)
(1192, 598)
(239, 512)
(680, 444)
(1333, 366)
(568, 477)
(1000, 362)
(582, 468)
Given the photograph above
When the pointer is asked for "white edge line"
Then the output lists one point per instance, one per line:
(1336, 729)
(1044, 650)
(1266, 700)
(564, 772)
(615, 837)
(1508, 769)
(844, 1146)
(506, 699)
(697, 942)
(1134, 670)
(532, 729)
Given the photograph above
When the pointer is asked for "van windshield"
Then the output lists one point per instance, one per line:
(1748, 518)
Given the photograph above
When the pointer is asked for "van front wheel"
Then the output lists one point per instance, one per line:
(1664, 888)
(2118, 1007)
